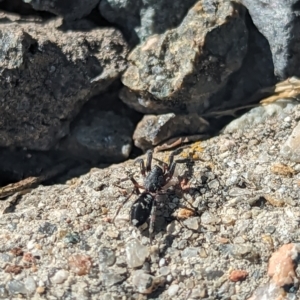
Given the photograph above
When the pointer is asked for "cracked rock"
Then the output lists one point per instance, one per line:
(152, 130)
(47, 76)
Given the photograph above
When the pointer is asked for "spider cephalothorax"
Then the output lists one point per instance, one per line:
(154, 180)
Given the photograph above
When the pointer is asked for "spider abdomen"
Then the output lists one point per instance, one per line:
(141, 209)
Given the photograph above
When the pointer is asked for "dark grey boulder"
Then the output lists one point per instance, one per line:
(68, 9)
(278, 21)
(46, 77)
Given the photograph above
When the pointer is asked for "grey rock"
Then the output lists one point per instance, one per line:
(250, 83)
(189, 252)
(48, 228)
(145, 283)
(69, 9)
(164, 271)
(152, 130)
(213, 274)
(3, 292)
(16, 287)
(290, 149)
(60, 276)
(136, 253)
(5, 257)
(278, 21)
(30, 284)
(102, 136)
(181, 69)
(268, 291)
(173, 290)
(142, 18)
(47, 76)
(107, 257)
(72, 238)
(109, 278)
(241, 251)
(192, 223)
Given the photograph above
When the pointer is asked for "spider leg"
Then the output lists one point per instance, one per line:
(169, 174)
(171, 159)
(136, 188)
(142, 166)
(149, 160)
(152, 221)
(165, 165)
(122, 204)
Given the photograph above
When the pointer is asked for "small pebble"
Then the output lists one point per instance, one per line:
(189, 252)
(162, 262)
(109, 279)
(173, 290)
(30, 284)
(72, 238)
(60, 276)
(31, 244)
(16, 287)
(40, 290)
(136, 253)
(80, 264)
(164, 271)
(238, 275)
(192, 223)
(107, 257)
(48, 228)
(208, 218)
(143, 282)
(3, 292)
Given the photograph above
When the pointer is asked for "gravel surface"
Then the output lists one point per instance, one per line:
(216, 228)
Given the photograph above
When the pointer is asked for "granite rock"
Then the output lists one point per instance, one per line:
(180, 70)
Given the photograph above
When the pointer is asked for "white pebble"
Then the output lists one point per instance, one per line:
(30, 245)
(30, 285)
(136, 253)
(162, 262)
(173, 289)
(60, 276)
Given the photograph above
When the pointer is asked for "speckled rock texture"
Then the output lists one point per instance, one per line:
(68, 9)
(47, 75)
(278, 21)
(291, 148)
(231, 206)
(181, 69)
(142, 18)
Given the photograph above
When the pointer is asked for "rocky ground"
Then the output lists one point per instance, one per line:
(236, 203)
(87, 85)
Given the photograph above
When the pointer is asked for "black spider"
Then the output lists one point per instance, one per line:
(154, 180)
